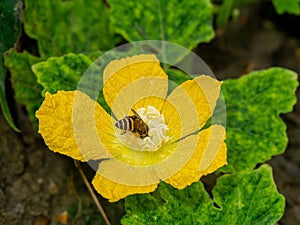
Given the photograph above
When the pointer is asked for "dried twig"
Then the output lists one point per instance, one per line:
(92, 193)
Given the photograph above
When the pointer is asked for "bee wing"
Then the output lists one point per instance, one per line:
(136, 114)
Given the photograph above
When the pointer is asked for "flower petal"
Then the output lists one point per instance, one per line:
(130, 79)
(114, 191)
(195, 100)
(133, 171)
(210, 155)
(142, 168)
(133, 157)
(215, 151)
(66, 122)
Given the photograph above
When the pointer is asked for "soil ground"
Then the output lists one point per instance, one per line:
(40, 187)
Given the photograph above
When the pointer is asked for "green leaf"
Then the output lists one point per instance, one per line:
(62, 27)
(27, 90)
(59, 27)
(10, 26)
(255, 131)
(242, 198)
(249, 198)
(287, 6)
(3, 101)
(94, 55)
(176, 77)
(186, 23)
(168, 205)
(65, 73)
(61, 73)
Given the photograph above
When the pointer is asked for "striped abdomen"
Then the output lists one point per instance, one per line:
(134, 124)
(127, 123)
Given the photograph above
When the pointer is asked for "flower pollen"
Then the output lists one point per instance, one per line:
(156, 134)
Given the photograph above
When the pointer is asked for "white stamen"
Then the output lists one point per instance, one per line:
(156, 134)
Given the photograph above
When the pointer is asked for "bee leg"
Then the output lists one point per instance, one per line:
(141, 134)
(123, 132)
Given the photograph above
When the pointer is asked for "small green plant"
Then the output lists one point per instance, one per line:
(291, 6)
(70, 35)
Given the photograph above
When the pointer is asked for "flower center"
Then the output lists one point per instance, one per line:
(148, 130)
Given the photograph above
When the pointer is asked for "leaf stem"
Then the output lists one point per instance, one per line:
(92, 193)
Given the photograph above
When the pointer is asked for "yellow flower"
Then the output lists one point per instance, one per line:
(171, 150)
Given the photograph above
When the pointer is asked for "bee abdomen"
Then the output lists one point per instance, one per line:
(125, 124)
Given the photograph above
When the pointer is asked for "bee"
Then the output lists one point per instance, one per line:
(133, 123)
